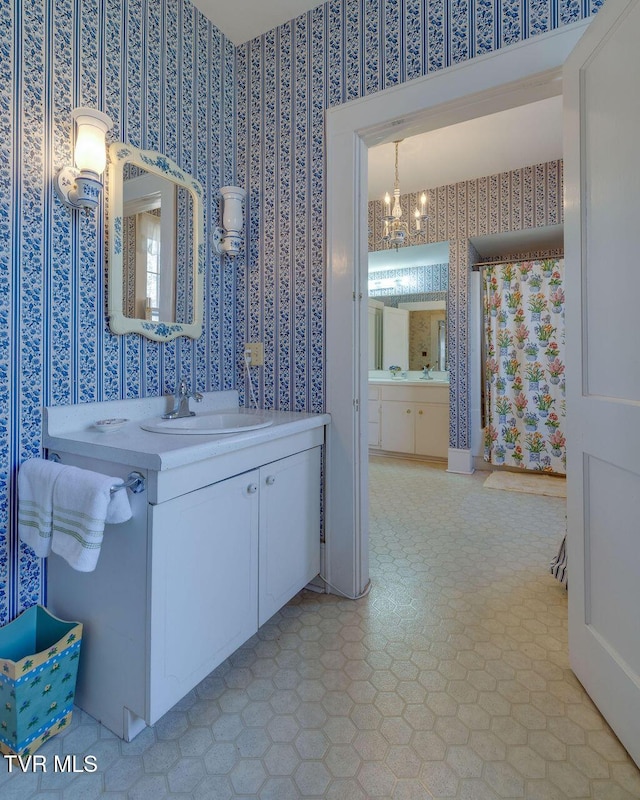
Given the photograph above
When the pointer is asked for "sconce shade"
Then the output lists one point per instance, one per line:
(228, 239)
(79, 185)
(232, 218)
(92, 127)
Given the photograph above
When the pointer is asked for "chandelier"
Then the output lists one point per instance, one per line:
(396, 230)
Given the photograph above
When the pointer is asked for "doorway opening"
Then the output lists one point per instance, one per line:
(495, 182)
(426, 104)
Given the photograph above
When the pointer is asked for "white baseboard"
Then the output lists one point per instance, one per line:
(460, 461)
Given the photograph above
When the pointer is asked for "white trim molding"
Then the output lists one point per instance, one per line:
(460, 461)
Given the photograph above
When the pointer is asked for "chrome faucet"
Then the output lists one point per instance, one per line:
(181, 408)
(425, 373)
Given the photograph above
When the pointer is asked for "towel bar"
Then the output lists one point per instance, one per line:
(135, 480)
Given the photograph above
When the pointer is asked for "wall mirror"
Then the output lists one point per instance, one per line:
(407, 307)
(156, 247)
(410, 334)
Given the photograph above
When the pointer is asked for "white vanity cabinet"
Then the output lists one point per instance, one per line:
(244, 547)
(207, 558)
(414, 419)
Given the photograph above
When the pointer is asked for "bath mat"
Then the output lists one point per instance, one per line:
(532, 484)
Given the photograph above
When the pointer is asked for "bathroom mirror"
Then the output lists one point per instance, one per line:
(156, 247)
(411, 334)
(407, 307)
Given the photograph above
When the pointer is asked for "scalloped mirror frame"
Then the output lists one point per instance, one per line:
(157, 164)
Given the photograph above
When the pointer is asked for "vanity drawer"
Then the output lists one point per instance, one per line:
(416, 394)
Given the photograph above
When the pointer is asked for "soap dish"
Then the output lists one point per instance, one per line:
(106, 425)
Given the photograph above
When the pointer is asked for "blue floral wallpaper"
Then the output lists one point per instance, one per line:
(414, 280)
(255, 113)
(165, 75)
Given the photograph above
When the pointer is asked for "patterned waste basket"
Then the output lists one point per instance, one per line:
(38, 668)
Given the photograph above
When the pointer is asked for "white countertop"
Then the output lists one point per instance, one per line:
(413, 378)
(70, 429)
(406, 382)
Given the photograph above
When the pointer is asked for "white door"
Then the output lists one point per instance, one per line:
(395, 337)
(602, 194)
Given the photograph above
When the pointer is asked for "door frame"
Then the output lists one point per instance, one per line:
(464, 91)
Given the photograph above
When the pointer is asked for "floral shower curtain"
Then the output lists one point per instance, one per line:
(524, 398)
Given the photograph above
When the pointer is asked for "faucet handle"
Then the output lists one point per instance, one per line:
(197, 396)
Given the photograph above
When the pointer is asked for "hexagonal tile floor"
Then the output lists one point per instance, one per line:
(449, 680)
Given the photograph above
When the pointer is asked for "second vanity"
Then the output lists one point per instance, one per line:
(409, 415)
(225, 533)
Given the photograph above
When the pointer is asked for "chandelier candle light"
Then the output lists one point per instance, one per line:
(396, 230)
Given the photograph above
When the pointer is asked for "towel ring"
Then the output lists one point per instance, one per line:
(135, 480)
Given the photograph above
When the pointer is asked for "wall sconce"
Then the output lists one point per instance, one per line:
(228, 239)
(79, 186)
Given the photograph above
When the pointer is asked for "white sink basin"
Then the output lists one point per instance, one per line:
(211, 422)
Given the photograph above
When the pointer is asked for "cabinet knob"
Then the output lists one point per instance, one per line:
(252, 488)
(408, 411)
(420, 412)
(271, 479)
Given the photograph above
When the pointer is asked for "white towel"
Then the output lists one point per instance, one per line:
(64, 509)
(36, 479)
(82, 503)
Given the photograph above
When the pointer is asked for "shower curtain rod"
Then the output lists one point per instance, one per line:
(476, 267)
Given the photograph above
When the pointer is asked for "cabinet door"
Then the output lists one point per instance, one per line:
(289, 529)
(397, 432)
(204, 568)
(432, 429)
(374, 423)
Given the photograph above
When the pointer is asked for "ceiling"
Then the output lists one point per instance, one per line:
(501, 142)
(242, 20)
